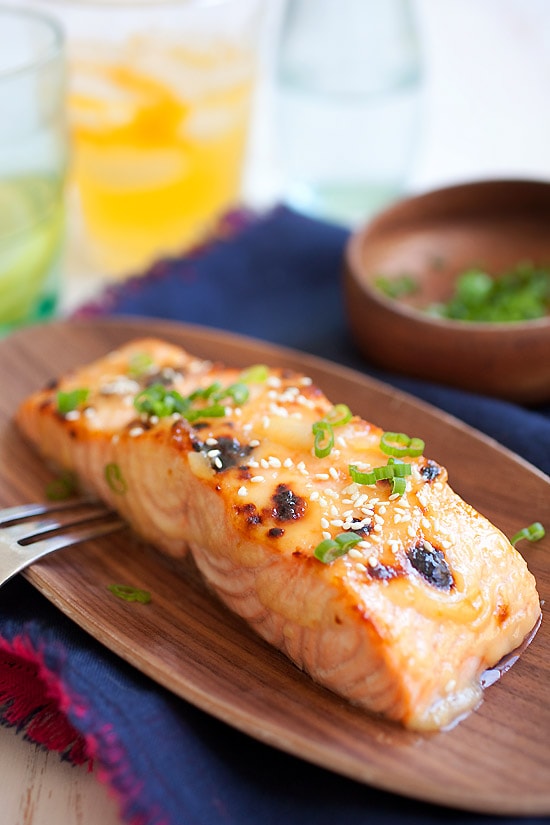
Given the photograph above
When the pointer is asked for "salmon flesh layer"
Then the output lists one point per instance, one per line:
(390, 591)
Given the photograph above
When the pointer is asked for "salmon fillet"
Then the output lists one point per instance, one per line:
(342, 546)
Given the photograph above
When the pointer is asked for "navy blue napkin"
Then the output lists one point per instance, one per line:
(277, 277)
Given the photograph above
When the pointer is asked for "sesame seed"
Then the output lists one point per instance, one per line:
(411, 531)
(242, 491)
(322, 476)
(354, 553)
(273, 381)
(373, 561)
(210, 442)
(288, 462)
(361, 566)
(334, 473)
(378, 519)
(257, 479)
(326, 534)
(377, 528)
(254, 442)
(305, 381)
(325, 523)
(315, 495)
(274, 461)
(135, 431)
(218, 463)
(213, 453)
(264, 463)
(253, 463)
(265, 422)
(337, 522)
(72, 415)
(425, 523)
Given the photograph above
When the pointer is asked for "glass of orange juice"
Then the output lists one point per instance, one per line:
(159, 104)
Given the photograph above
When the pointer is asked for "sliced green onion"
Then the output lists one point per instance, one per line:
(205, 392)
(69, 401)
(238, 392)
(61, 488)
(140, 364)
(395, 471)
(213, 411)
(115, 479)
(130, 594)
(399, 444)
(398, 485)
(338, 415)
(255, 374)
(387, 471)
(534, 532)
(160, 401)
(331, 549)
(396, 287)
(323, 438)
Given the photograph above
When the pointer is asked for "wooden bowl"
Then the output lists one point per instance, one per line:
(433, 237)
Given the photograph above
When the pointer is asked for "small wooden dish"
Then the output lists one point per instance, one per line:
(433, 237)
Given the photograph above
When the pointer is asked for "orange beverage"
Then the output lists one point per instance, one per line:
(160, 109)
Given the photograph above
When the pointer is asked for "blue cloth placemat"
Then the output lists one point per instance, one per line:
(276, 277)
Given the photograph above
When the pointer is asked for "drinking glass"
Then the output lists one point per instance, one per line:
(160, 100)
(33, 160)
(348, 84)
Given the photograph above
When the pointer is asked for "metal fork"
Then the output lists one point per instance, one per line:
(24, 541)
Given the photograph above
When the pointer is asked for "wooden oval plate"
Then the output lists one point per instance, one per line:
(495, 761)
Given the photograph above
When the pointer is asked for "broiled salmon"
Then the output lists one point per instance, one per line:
(339, 543)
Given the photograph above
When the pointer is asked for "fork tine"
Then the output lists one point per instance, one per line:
(26, 531)
(22, 511)
(17, 548)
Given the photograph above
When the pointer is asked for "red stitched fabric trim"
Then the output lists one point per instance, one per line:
(32, 700)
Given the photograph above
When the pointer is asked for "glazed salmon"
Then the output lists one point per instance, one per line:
(340, 544)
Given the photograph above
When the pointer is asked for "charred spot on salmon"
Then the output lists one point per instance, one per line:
(226, 452)
(383, 572)
(431, 564)
(287, 505)
(430, 470)
(250, 513)
(275, 532)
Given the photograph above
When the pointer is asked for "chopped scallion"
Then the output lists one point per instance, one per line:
(115, 479)
(255, 374)
(72, 400)
(62, 487)
(399, 444)
(338, 415)
(331, 549)
(130, 594)
(534, 532)
(323, 438)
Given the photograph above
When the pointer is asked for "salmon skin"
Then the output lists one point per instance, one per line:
(382, 584)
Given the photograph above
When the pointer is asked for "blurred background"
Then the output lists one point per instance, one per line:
(352, 105)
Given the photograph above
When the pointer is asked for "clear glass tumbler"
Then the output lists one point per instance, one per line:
(348, 83)
(159, 102)
(33, 161)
